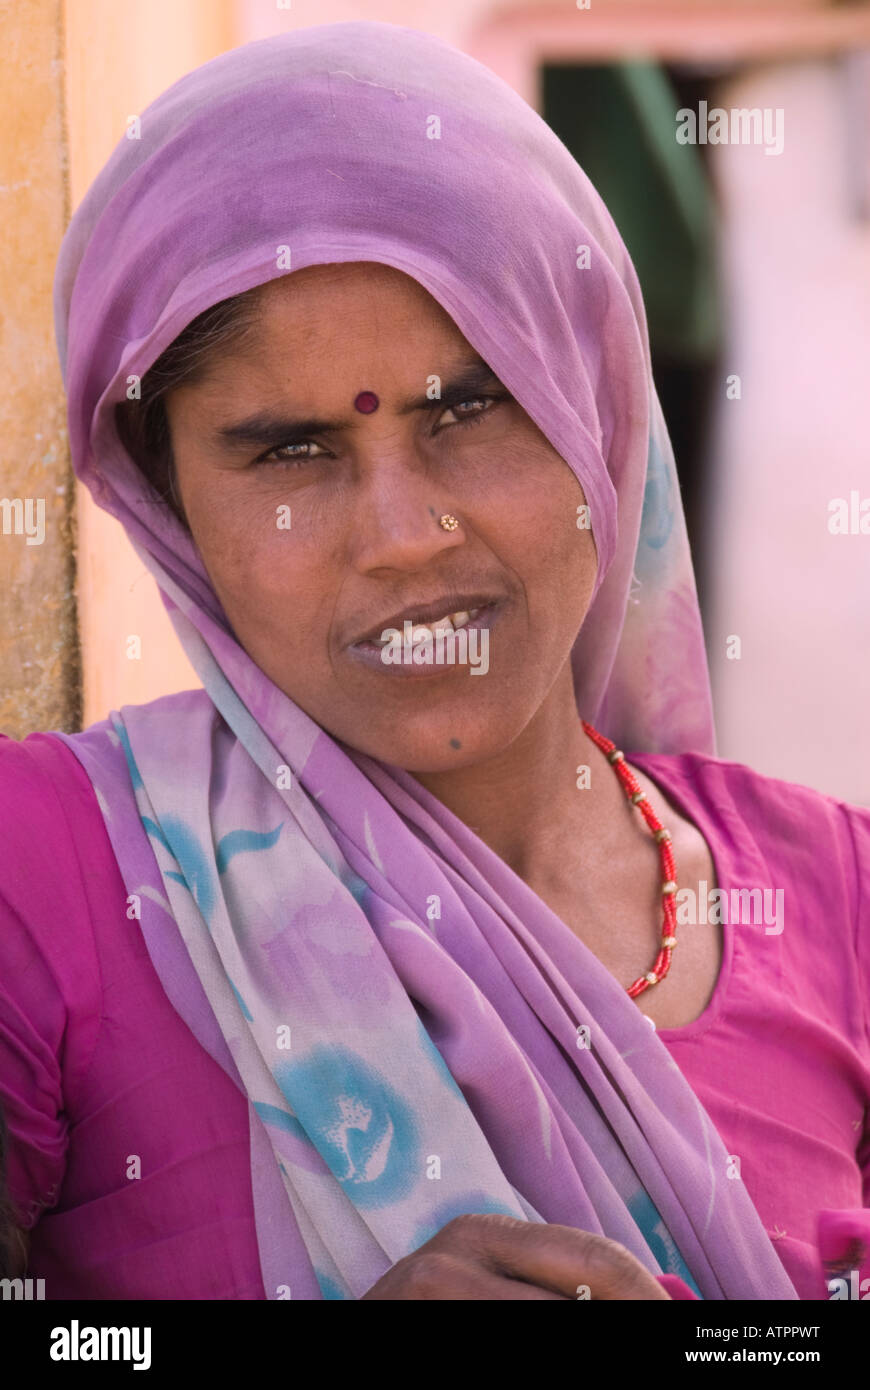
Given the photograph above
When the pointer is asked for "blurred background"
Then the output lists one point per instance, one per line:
(755, 268)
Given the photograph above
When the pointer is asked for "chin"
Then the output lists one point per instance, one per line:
(427, 743)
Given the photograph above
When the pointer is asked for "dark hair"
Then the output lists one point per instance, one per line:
(143, 425)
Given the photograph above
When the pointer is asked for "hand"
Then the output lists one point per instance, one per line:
(495, 1257)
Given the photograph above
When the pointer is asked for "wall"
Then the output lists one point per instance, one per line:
(796, 263)
(120, 55)
(39, 658)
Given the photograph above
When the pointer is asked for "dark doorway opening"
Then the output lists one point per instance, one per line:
(619, 122)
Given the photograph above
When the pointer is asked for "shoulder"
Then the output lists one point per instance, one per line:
(59, 878)
(50, 817)
(763, 802)
(33, 771)
(42, 785)
(71, 765)
(814, 842)
(55, 793)
(54, 849)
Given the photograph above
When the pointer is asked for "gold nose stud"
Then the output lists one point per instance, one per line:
(448, 522)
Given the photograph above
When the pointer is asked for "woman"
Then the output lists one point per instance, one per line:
(359, 971)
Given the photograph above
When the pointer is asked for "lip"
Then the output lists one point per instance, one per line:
(367, 654)
(427, 613)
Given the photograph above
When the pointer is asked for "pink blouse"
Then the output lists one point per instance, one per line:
(97, 1069)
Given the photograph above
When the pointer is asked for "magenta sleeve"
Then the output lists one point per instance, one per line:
(673, 1285)
(49, 978)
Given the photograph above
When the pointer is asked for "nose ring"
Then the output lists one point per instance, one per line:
(448, 522)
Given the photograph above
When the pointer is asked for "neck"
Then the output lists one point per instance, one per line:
(525, 803)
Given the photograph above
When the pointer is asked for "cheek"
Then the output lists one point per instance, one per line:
(271, 574)
(526, 480)
(530, 521)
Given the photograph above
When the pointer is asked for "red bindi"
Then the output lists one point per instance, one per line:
(366, 402)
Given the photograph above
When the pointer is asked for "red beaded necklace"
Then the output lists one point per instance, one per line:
(638, 798)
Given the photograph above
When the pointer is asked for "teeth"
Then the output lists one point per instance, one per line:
(426, 631)
(451, 622)
(460, 619)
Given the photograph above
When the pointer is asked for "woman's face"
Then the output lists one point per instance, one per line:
(320, 525)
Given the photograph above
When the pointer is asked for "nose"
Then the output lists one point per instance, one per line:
(397, 521)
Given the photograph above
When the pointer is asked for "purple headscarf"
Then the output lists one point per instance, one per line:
(374, 978)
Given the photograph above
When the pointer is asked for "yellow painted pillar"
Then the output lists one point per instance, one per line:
(39, 667)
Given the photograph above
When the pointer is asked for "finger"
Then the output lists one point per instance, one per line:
(559, 1258)
(432, 1276)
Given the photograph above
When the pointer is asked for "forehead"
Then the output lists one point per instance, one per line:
(327, 324)
(318, 338)
(362, 289)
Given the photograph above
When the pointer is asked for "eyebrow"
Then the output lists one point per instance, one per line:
(266, 427)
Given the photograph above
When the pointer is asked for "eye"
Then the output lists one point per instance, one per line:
(473, 417)
(294, 457)
(298, 451)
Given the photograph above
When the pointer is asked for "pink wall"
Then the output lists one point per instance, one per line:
(796, 262)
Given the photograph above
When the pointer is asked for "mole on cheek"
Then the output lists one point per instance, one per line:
(454, 743)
